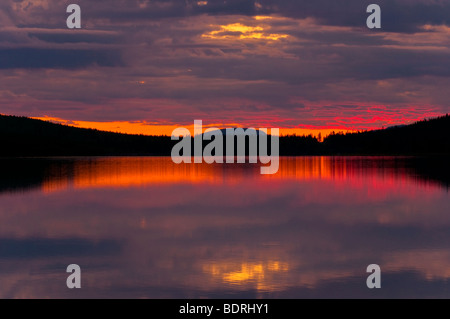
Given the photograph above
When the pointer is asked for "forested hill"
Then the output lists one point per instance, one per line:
(21, 136)
(425, 137)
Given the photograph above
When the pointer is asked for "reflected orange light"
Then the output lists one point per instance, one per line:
(55, 184)
(258, 274)
(134, 172)
(126, 172)
(141, 171)
(306, 168)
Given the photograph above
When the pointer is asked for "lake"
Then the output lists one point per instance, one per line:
(143, 227)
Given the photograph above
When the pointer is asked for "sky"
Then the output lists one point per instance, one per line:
(148, 66)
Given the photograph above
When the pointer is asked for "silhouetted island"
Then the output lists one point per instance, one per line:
(21, 136)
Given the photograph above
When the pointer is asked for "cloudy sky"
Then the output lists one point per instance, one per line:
(150, 65)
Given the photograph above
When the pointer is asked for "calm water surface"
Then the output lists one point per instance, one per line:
(145, 227)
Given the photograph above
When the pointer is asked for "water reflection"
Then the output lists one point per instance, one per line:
(145, 227)
(260, 275)
(60, 173)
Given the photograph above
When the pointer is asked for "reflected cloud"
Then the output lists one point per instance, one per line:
(28, 248)
(257, 275)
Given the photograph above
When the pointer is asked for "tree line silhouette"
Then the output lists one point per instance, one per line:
(21, 136)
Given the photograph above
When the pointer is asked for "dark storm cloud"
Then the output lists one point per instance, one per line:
(32, 58)
(124, 10)
(397, 15)
(245, 7)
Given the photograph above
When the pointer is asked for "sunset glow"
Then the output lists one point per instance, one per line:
(152, 129)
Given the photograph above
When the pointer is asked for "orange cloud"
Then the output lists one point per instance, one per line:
(242, 31)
